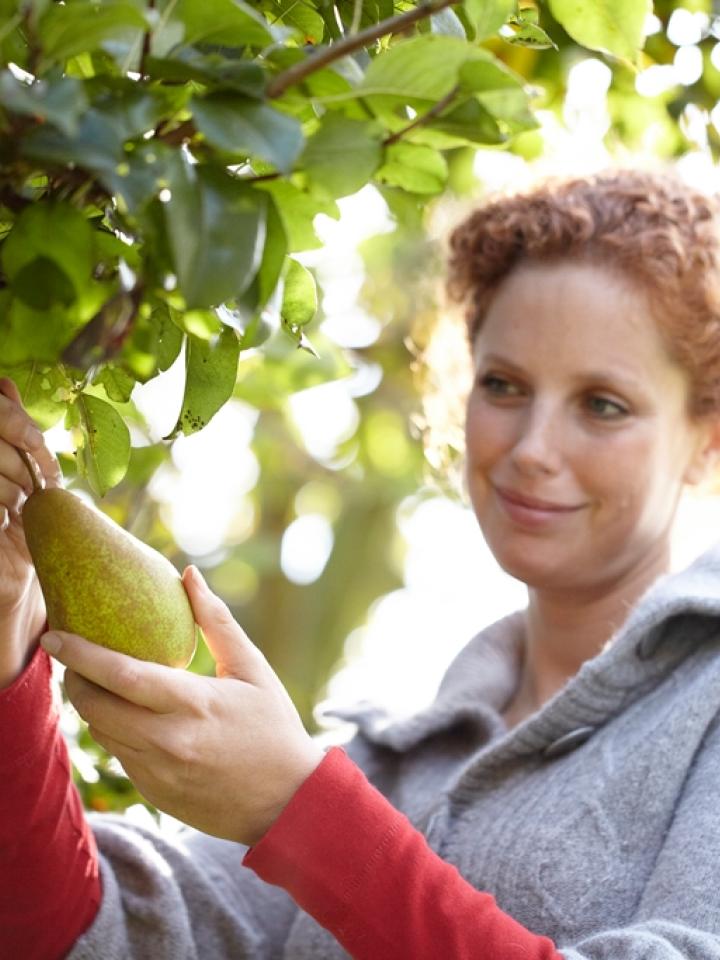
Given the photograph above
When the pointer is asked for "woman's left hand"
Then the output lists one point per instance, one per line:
(224, 754)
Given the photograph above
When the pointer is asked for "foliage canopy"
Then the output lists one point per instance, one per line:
(162, 163)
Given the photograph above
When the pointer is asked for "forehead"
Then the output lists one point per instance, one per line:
(579, 314)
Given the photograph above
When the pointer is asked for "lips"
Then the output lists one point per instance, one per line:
(532, 503)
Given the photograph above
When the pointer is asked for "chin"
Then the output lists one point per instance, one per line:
(534, 572)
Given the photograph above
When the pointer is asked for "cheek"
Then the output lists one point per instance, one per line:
(632, 476)
(486, 435)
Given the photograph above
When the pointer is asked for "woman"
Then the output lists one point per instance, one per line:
(558, 799)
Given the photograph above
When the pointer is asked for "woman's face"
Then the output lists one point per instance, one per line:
(578, 439)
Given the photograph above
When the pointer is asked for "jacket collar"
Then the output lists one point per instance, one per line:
(677, 613)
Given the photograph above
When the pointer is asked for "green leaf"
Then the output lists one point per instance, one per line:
(169, 337)
(210, 373)
(13, 44)
(154, 342)
(45, 391)
(144, 461)
(30, 334)
(471, 122)
(41, 283)
(525, 33)
(230, 23)
(241, 125)
(482, 72)
(132, 111)
(611, 26)
(276, 246)
(104, 451)
(301, 16)
(216, 232)
(72, 28)
(424, 67)
(298, 209)
(299, 303)
(487, 16)
(413, 167)
(140, 177)
(212, 69)
(511, 108)
(267, 378)
(343, 154)
(96, 146)
(54, 232)
(59, 100)
(118, 384)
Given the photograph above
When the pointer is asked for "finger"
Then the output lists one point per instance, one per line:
(12, 467)
(145, 684)
(16, 426)
(110, 744)
(18, 429)
(234, 653)
(12, 496)
(108, 714)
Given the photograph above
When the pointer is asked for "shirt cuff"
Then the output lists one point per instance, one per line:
(361, 869)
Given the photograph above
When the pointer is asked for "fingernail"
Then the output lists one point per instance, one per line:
(50, 642)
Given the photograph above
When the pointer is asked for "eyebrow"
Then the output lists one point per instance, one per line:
(602, 376)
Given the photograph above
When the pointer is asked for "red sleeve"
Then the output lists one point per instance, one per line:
(360, 868)
(49, 880)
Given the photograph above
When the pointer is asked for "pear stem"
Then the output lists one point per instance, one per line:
(31, 469)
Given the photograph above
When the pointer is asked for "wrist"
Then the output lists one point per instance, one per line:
(303, 765)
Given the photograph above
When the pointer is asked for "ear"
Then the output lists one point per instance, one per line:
(706, 454)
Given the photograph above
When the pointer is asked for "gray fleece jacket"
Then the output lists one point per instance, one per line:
(595, 822)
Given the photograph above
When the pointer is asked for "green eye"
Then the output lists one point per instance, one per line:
(496, 385)
(606, 408)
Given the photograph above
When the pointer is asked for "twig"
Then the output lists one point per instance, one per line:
(357, 15)
(434, 111)
(316, 61)
(31, 469)
(184, 131)
(13, 201)
(147, 36)
(261, 177)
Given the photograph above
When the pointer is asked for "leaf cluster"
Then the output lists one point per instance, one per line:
(162, 163)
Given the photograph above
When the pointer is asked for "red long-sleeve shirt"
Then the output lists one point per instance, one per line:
(49, 881)
(339, 848)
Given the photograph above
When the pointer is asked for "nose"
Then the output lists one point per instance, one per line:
(538, 443)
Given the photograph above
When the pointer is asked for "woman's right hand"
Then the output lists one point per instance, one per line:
(22, 609)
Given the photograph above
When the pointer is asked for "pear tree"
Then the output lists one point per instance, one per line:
(162, 163)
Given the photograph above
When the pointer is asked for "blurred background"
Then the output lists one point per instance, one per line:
(332, 521)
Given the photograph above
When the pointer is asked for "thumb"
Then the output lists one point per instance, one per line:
(234, 653)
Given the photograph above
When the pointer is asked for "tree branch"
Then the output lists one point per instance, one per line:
(142, 69)
(177, 135)
(316, 61)
(13, 201)
(434, 111)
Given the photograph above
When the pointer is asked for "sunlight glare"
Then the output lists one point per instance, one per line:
(324, 416)
(306, 547)
(685, 27)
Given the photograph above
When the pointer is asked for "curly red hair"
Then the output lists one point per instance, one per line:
(650, 225)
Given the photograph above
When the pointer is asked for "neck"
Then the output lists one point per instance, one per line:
(565, 628)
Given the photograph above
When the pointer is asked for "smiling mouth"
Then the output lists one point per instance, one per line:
(530, 503)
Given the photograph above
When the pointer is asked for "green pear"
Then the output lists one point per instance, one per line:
(103, 583)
